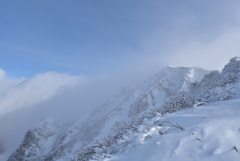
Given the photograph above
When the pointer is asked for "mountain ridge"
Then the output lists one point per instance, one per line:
(160, 91)
(127, 103)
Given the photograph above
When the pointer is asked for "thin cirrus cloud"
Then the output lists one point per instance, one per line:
(90, 38)
(210, 54)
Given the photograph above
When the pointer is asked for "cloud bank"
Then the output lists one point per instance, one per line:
(26, 101)
(182, 33)
(22, 93)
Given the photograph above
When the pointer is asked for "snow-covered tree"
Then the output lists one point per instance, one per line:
(179, 101)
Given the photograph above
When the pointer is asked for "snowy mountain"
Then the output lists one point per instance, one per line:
(37, 141)
(136, 115)
(211, 133)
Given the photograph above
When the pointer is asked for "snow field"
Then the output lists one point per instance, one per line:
(211, 133)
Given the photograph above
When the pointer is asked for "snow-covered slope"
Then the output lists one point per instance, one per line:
(214, 87)
(211, 132)
(71, 137)
(136, 119)
(37, 141)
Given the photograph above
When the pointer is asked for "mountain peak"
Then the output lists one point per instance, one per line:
(169, 90)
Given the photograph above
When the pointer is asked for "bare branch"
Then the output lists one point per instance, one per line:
(235, 148)
(176, 125)
(97, 157)
(99, 143)
(199, 140)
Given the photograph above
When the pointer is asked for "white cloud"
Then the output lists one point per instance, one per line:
(2, 74)
(23, 102)
(22, 93)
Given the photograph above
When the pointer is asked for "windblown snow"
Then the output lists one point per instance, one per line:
(210, 133)
(179, 113)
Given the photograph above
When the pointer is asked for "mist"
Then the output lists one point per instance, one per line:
(201, 33)
(60, 96)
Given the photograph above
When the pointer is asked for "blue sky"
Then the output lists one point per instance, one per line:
(102, 45)
(92, 37)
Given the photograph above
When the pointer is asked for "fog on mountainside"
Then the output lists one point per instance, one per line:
(131, 101)
(123, 105)
(119, 80)
(160, 92)
(26, 101)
